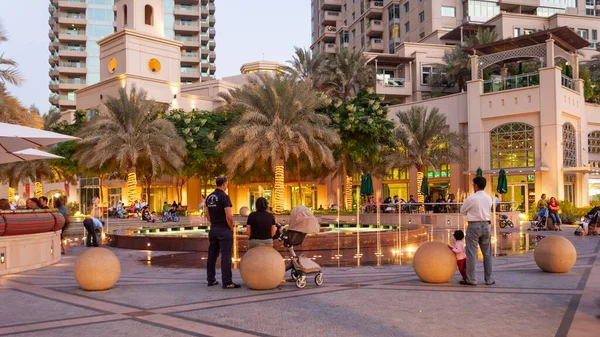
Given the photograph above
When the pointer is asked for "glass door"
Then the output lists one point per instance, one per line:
(157, 197)
(519, 197)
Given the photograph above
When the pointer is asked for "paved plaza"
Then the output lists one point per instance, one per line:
(151, 300)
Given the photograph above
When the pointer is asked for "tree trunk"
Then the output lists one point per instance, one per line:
(300, 193)
(131, 186)
(278, 204)
(420, 197)
(344, 181)
(100, 194)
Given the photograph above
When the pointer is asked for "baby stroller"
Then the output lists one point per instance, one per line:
(302, 222)
(539, 224)
(589, 222)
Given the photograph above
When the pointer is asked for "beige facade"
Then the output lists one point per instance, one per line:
(76, 26)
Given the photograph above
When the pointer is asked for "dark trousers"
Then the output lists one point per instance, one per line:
(220, 239)
(91, 232)
(462, 268)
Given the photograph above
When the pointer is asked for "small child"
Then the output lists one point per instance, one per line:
(459, 250)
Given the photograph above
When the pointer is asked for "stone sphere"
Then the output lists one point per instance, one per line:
(434, 262)
(555, 254)
(97, 269)
(244, 211)
(262, 268)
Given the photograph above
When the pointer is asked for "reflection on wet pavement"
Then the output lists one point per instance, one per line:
(509, 243)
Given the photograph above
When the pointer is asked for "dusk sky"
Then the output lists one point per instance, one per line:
(246, 29)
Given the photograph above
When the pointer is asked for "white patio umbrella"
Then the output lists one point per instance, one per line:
(25, 155)
(16, 137)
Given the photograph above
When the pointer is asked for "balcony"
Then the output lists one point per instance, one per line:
(329, 34)
(374, 9)
(567, 82)
(329, 48)
(72, 4)
(53, 85)
(204, 65)
(212, 32)
(51, 9)
(66, 100)
(193, 73)
(189, 41)
(211, 20)
(71, 51)
(187, 26)
(53, 98)
(53, 71)
(375, 45)
(211, 8)
(511, 82)
(184, 10)
(204, 37)
(72, 35)
(51, 21)
(53, 58)
(374, 28)
(204, 11)
(333, 5)
(51, 34)
(76, 68)
(212, 56)
(212, 45)
(213, 68)
(190, 57)
(71, 84)
(330, 18)
(72, 19)
(393, 87)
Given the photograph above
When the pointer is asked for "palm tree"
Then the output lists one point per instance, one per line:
(306, 65)
(424, 139)
(128, 132)
(344, 74)
(8, 68)
(482, 36)
(594, 65)
(278, 122)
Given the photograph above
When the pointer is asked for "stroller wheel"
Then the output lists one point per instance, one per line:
(319, 279)
(510, 223)
(294, 274)
(502, 224)
(301, 282)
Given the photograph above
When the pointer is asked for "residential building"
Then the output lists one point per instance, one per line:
(380, 26)
(77, 25)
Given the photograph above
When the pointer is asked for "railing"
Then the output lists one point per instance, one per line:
(204, 61)
(204, 34)
(67, 97)
(187, 8)
(426, 207)
(189, 70)
(394, 82)
(567, 82)
(512, 82)
(374, 22)
(190, 55)
(71, 81)
(330, 45)
(187, 38)
(374, 41)
(71, 48)
(374, 3)
(204, 7)
(187, 23)
(330, 29)
(72, 64)
(333, 13)
(72, 32)
(80, 1)
(72, 16)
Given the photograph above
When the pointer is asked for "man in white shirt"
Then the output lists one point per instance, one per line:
(477, 209)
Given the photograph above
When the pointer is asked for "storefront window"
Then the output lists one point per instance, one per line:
(397, 174)
(512, 145)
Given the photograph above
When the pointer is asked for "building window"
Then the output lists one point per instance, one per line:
(442, 172)
(421, 16)
(594, 142)
(512, 145)
(481, 10)
(394, 12)
(407, 27)
(362, 6)
(449, 11)
(345, 8)
(353, 34)
(528, 31)
(125, 15)
(406, 7)
(353, 17)
(422, 35)
(149, 15)
(516, 32)
(583, 33)
(397, 174)
(569, 145)
(589, 11)
(425, 73)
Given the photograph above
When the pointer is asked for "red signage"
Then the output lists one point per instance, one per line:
(67, 189)
(27, 190)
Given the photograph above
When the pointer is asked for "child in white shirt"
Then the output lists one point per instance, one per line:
(459, 250)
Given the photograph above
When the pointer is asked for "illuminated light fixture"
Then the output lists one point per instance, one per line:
(2, 258)
(348, 192)
(56, 195)
(11, 193)
(148, 244)
(131, 187)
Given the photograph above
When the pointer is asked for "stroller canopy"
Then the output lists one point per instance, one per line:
(303, 220)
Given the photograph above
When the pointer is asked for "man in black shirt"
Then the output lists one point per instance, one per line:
(44, 202)
(220, 235)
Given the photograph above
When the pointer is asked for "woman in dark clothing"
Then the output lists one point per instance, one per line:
(260, 225)
(61, 208)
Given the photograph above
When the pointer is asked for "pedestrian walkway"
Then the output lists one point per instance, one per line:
(361, 301)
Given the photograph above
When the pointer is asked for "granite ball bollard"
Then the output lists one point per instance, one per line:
(434, 262)
(262, 268)
(244, 211)
(555, 254)
(97, 269)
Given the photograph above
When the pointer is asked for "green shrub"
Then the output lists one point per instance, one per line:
(73, 207)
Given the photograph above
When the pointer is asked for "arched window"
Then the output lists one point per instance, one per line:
(149, 15)
(512, 145)
(125, 15)
(594, 142)
(569, 145)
